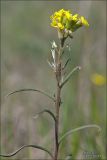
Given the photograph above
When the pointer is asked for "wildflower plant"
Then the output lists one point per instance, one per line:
(66, 24)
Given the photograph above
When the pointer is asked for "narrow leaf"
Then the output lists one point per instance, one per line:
(70, 74)
(77, 129)
(34, 90)
(33, 146)
(66, 63)
(48, 111)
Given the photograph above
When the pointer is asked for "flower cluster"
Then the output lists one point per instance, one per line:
(66, 22)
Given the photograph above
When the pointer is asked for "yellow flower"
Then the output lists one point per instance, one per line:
(98, 79)
(65, 20)
(60, 26)
(68, 15)
(60, 19)
(75, 17)
(84, 21)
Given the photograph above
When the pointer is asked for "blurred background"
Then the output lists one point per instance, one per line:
(26, 37)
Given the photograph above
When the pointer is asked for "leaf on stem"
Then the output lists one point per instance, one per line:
(48, 111)
(70, 74)
(77, 129)
(33, 146)
(66, 63)
(34, 90)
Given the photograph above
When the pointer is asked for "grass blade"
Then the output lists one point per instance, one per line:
(33, 90)
(33, 146)
(77, 129)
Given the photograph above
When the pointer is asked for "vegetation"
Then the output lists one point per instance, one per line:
(24, 50)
